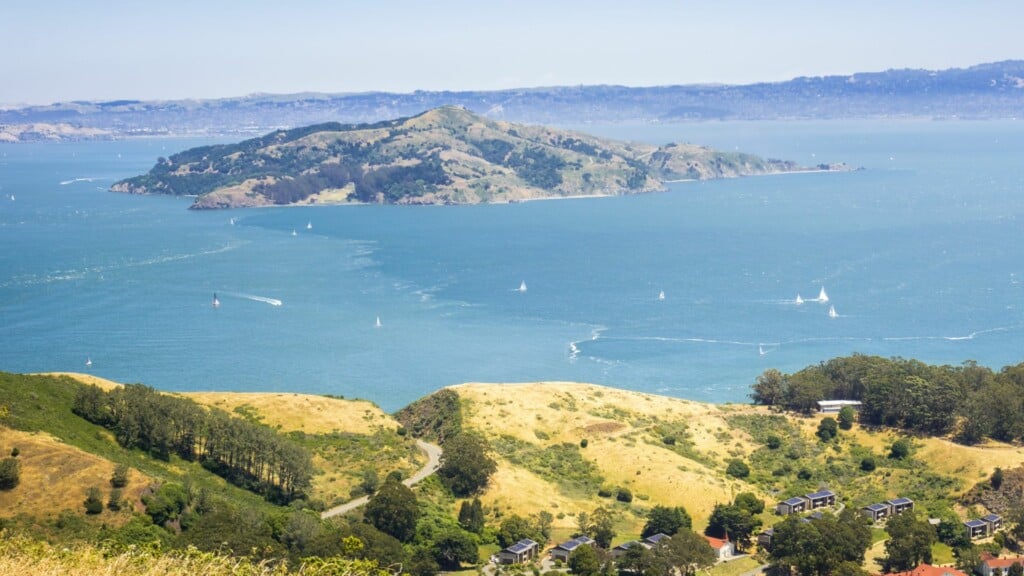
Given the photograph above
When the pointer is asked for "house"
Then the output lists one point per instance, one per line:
(877, 512)
(900, 505)
(976, 528)
(834, 406)
(992, 566)
(519, 553)
(621, 549)
(821, 499)
(764, 539)
(994, 521)
(929, 570)
(792, 506)
(563, 550)
(655, 539)
(724, 549)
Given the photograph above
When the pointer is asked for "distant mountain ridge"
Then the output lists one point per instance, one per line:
(993, 90)
(447, 155)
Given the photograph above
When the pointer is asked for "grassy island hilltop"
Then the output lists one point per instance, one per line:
(96, 470)
(447, 155)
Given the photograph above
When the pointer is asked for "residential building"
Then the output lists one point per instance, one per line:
(993, 566)
(724, 549)
(929, 570)
(520, 552)
(565, 549)
(794, 505)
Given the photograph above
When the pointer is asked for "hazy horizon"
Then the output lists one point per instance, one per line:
(191, 50)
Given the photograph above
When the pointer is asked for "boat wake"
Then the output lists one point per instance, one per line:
(73, 180)
(574, 346)
(254, 298)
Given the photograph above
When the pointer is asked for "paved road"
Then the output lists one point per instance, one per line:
(433, 453)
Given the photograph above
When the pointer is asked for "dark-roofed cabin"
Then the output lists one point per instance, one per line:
(519, 553)
(900, 505)
(821, 499)
(621, 549)
(792, 506)
(876, 512)
(764, 539)
(994, 521)
(563, 550)
(654, 539)
(976, 528)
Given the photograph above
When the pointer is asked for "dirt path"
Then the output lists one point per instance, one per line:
(433, 453)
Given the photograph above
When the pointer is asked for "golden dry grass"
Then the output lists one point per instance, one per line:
(55, 477)
(87, 379)
(302, 412)
(614, 422)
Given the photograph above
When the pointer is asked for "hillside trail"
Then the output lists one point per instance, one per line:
(433, 452)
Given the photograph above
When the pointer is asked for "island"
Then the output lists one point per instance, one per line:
(446, 155)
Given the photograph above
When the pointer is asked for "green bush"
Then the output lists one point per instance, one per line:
(773, 442)
(93, 503)
(737, 469)
(604, 492)
(10, 473)
(583, 443)
(119, 479)
(624, 495)
(867, 464)
(900, 449)
(14, 452)
(804, 474)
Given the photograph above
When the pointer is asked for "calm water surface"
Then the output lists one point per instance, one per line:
(919, 253)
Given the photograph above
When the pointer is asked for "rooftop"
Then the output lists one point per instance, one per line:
(929, 570)
(899, 501)
(820, 494)
(975, 523)
(794, 500)
(521, 546)
(876, 507)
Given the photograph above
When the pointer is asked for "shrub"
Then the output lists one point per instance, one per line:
(120, 477)
(624, 495)
(827, 429)
(93, 503)
(900, 449)
(846, 417)
(867, 464)
(14, 452)
(737, 469)
(773, 442)
(114, 502)
(604, 492)
(804, 474)
(669, 440)
(997, 479)
(583, 443)
(10, 473)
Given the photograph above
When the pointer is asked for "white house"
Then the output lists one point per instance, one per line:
(724, 549)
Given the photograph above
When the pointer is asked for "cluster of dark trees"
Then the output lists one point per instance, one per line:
(537, 167)
(829, 545)
(971, 402)
(737, 521)
(246, 454)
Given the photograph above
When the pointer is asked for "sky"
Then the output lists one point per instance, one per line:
(60, 50)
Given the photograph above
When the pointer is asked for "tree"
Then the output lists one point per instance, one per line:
(465, 464)
(997, 478)
(10, 473)
(900, 449)
(867, 463)
(1016, 569)
(734, 522)
(471, 516)
(750, 502)
(515, 528)
(602, 527)
(827, 429)
(769, 388)
(93, 501)
(114, 501)
(584, 561)
(119, 479)
(453, 547)
(773, 442)
(394, 510)
(666, 520)
(909, 544)
(847, 415)
(686, 552)
(370, 481)
(637, 560)
(624, 495)
(737, 468)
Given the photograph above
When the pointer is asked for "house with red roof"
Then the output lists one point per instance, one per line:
(724, 549)
(993, 566)
(929, 570)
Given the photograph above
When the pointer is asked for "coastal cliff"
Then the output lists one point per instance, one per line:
(446, 155)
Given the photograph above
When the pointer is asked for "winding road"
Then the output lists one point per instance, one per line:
(433, 452)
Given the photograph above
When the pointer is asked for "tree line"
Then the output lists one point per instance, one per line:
(242, 452)
(969, 401)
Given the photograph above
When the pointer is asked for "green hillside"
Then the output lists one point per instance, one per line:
(443, 156)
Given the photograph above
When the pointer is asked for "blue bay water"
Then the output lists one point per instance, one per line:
(919, 254)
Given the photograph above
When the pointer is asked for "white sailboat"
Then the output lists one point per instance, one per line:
(88, 361)
(832, 312)
(522, 286)
(309, 225)
(294, 233)
(378, 324)
(760, 350)
(232, 221)
(661, 295)
(216, 302)
(822, 296)
(799, 300)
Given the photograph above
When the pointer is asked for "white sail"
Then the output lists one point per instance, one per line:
(232, 221)
(216, 302)
(799, 300)
(88, 361)
(760, 350)
(661, 295)
(309, 225)
(822, 296)
(294, 233)
(522, 286)
(832, 312)
(378, 324)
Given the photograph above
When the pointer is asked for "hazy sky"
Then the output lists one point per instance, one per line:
(84, 50)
